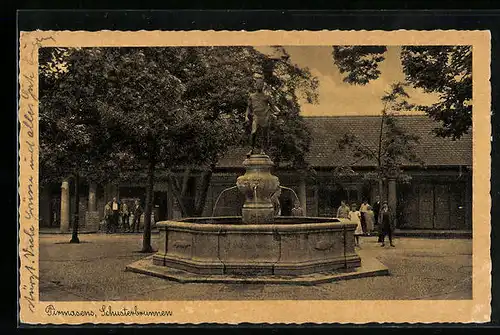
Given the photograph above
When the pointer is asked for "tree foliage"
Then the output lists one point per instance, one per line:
(443, 70)
(72, 136)
(359, 63)
(447, 71)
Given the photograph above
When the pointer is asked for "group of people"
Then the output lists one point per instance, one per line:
(377, 219)
(115, 210)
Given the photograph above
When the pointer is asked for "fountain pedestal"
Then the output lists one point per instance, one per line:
(258, 185)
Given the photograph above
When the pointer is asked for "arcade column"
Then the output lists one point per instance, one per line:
(92, 206)
(64, 227)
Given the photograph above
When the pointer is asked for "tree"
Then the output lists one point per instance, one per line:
(141, 98)
(86, 111)
(443, 70)
(394, 146)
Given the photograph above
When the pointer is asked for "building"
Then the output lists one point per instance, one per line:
(438, 196)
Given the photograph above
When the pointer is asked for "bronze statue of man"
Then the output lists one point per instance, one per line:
(258, 113)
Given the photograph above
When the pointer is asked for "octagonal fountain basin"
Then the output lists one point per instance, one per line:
(290, 246)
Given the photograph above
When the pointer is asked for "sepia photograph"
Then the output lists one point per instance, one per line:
(251, 172)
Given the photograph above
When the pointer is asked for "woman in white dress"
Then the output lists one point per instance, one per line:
(355, 217)
(370, 220)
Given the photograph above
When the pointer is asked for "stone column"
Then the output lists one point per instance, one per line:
(303, 195)
(64, 206)
(92, 215)
(92, 197)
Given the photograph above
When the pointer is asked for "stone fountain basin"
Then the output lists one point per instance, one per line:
(226, 246)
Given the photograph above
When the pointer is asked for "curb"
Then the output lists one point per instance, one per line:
(371, 268)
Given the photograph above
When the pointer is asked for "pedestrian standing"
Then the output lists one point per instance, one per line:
(115, 207)
(125, 217)
(386, 220)
(137, 210)
(370, 220)
(108, 217)
(363, 209)
(343, 210)
(355, 217)
(376, 212)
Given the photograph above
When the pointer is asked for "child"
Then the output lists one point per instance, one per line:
(370, 220)
(355, 217)
(297, 210)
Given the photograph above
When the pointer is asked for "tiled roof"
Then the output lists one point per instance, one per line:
(326, 131)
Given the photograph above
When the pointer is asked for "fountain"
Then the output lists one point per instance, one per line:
(257, 247)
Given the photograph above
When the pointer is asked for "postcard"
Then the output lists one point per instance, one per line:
(187, 177)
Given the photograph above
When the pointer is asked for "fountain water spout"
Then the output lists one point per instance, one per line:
(218, 198)
(295, 194)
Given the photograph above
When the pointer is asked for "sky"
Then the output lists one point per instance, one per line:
(339, 98)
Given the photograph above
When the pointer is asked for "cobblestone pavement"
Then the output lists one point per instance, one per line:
(94, 270)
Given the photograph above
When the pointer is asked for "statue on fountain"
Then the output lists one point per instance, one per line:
(258, 114)
(258, 184)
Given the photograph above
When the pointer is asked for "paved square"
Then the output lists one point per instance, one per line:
(94, 270)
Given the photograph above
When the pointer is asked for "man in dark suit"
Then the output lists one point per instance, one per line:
(137, 211)
(376, 211)
(115, 207)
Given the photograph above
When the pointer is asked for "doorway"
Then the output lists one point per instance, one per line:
(161, 206)
(434, 206)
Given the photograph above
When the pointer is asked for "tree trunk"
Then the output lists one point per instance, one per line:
(74, 235)
(381, 188)
(380, 137)
(379, 158)
(202, 198)
(190, 204)
(146, 239)
(185, 193)
(185, 181)
(189, 197)
(175, 191)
